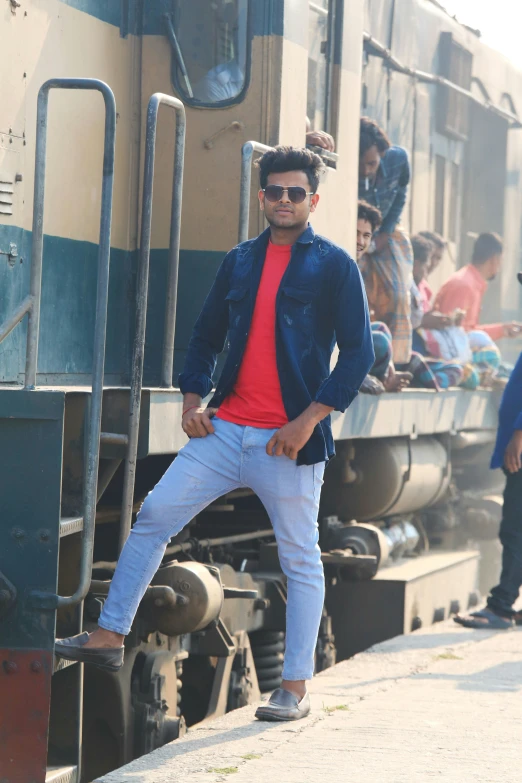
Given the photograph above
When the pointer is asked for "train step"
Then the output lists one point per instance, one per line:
(69, 525)
(67, 774)
(402, 597)
(61, 663)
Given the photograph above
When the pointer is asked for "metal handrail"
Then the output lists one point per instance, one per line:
(247, 153)
(155, 102)
(92, 451)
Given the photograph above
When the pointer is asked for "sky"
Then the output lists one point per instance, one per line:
(497, 20)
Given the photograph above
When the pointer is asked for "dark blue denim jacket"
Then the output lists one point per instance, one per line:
(510, 414)
(388, 191)
(321, 299)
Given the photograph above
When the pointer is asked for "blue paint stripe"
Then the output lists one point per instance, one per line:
(68, 300)
(106, 10)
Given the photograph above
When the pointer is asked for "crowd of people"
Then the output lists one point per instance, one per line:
(430, 340)
(420, 339)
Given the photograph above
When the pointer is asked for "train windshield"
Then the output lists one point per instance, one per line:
(210, 49)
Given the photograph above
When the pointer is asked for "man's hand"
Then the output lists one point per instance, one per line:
(196, 419)
(291, 438)
(458, 316)
(436, 321)
(381, 241)
(512, 329)
(512, 461)
(321, 139)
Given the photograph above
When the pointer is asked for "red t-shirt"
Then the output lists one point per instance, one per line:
(256, 399)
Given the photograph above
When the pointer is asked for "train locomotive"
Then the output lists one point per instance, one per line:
(127, 137)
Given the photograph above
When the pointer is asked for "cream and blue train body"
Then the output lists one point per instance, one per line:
(409, 466)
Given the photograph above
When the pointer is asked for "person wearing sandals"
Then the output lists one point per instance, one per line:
(499, 612)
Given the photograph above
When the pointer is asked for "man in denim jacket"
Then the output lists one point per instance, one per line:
(282, 300)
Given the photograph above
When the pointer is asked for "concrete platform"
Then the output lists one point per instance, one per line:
(440, 704)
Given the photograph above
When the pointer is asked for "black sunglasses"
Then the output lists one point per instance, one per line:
(274, 193)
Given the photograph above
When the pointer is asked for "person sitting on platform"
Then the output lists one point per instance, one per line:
(427, 372)
(384, 175)
(383, 376)
(460, 339)
(417, 371)
(422, 251)
(432, 319)
(466, 288)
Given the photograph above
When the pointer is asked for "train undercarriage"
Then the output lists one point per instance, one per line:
(398, 513)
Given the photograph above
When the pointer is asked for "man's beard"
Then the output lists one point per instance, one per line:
(273, 221)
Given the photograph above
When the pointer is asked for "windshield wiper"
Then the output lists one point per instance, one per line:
(176, 49)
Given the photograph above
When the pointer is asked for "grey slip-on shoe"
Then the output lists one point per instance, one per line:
(72, 649)
(284, 705)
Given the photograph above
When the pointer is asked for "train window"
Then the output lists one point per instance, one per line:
(210, 50)
(321, 45)
(455, 64)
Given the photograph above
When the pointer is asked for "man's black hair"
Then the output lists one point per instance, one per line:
(436, 239)
(283, 159)
(422, 249)
(373, 215)
(371, 135)
(486, 246)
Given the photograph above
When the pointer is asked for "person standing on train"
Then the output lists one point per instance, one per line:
(280, 301)
(499, 612)
(384, 176)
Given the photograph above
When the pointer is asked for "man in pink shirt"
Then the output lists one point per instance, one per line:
(466, 288)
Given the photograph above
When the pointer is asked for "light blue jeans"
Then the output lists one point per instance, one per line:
(205, 469)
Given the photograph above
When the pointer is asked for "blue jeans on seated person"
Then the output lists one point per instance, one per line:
(204, 470)
(504, 595)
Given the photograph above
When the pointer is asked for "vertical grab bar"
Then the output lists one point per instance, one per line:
(100, 326)
(155, 102)
(175, 231)
(247, 153)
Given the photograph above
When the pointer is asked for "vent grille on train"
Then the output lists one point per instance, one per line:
(6, 194)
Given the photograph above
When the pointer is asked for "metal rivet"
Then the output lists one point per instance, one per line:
(10, 667)
(44, 535)
(18, 533)
(36, 667)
